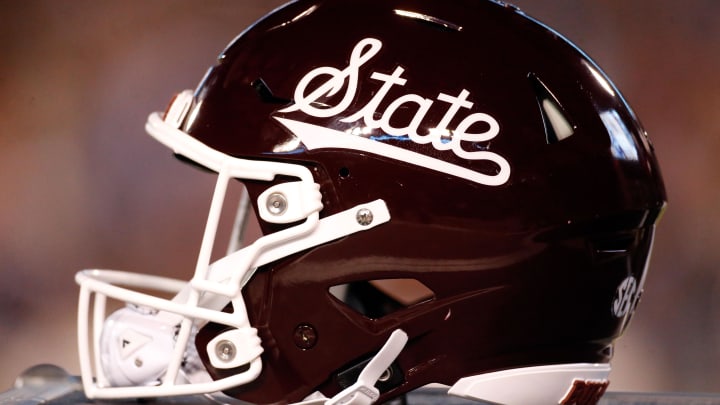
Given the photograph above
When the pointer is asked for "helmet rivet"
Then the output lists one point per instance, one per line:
(385, 376)
(276, 203)
(364, 216)
(305, 336)
(225, 351)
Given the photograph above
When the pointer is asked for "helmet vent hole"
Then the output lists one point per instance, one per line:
(555, 120)
(376, 299)
(265, 94)
(614, 243)
(344, 172)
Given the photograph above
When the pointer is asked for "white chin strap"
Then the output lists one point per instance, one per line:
(559, 384)
(363, 392)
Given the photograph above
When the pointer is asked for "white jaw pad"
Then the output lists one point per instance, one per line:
(553, 384)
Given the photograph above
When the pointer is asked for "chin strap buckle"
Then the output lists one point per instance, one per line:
(363, 392)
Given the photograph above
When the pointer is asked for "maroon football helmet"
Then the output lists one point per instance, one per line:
(448, 192)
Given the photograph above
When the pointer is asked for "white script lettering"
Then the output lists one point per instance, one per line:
(440, 137)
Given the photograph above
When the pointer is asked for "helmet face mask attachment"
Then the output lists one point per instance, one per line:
(214, 286)
(476, 212)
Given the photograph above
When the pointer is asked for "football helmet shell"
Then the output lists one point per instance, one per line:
(461, 146)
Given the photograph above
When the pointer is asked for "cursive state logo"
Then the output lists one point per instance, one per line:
(440, 137)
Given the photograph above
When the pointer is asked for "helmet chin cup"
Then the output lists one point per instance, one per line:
(135, 352)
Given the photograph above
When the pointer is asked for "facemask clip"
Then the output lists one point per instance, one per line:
(289, 202)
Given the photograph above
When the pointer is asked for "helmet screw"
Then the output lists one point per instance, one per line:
(364, 216)
(276, 203)
(225, 351)
(305, 336)
(385, 376)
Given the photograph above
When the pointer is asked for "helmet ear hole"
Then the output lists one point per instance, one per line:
(344, 172)
(376, 299)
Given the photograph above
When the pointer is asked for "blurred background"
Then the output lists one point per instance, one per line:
(82, 186)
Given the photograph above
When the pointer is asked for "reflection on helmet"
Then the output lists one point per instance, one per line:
(448, 192)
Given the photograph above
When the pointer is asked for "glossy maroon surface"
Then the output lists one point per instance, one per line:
(523, 273)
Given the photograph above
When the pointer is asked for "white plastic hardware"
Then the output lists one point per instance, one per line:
(547, 385)
(247, 347)
(363, 392)
(301, 199)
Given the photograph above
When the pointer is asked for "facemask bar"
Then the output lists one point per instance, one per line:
(240, 224)
(212, 286)
(100, 284)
